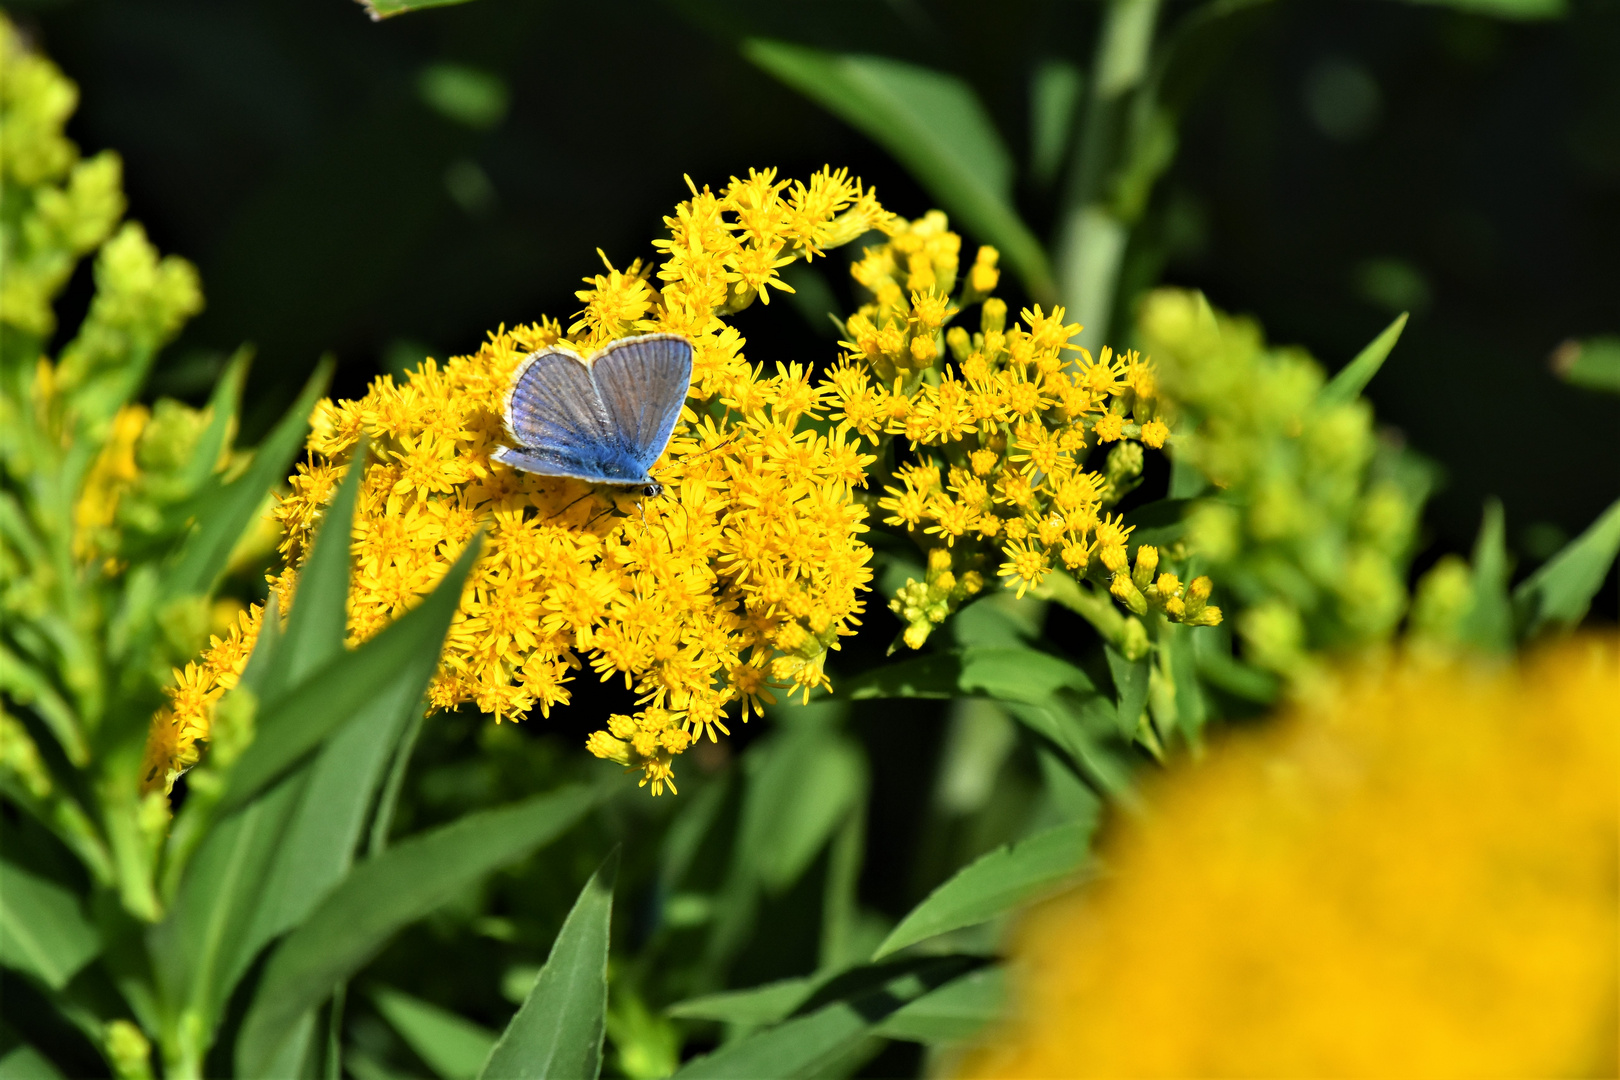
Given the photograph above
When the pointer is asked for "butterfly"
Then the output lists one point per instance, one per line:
(605, 420)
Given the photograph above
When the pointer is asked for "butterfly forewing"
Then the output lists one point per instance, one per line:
(553, 406)
(643, 383)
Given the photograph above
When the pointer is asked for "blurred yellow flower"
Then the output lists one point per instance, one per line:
(1417, 875)
(738, 579)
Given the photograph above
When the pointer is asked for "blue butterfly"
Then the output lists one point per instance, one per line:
(605, 420)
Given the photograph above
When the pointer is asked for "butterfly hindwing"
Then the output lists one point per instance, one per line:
(642, 382)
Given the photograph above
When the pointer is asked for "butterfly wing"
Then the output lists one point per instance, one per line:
(642, 382)
(557, 419)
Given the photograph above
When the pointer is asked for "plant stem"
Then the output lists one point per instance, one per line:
(1091, 235)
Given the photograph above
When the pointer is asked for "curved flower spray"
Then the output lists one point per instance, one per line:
(751, 566)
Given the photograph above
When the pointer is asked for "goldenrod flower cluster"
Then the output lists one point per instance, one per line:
(1414, 875)
(999, 437)
(736, 581)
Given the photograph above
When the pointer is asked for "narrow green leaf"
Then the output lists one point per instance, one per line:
(382, 895)
(844, 1011)
(319, 620)
(557, 1033)
(223, 404)
(43, 930)
(396, 665)
(1006, 878)
(957, 1011)
(1130, 686)
(205, 943)
(1054, 99)
(202, 559)
(934, 125)
(1593, 363)
(452, 1046)
(1489, 624)
(1505, 9)
(1353, 378)
(1558, 594)
(757, 1005)
(384, 9)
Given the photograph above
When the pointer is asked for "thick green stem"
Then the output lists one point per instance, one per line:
(1091, 234)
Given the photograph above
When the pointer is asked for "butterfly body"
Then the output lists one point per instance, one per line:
(605, 420)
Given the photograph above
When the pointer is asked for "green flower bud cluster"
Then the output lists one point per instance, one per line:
(1307, 518)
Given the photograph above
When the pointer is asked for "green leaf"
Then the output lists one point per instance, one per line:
(1593, 363)
(1353, 378)
(934, 125)
(1025, 675)
(202, 558)
(1557, 595)
(385, 9)
(757, 1005)
(223, 404)
(1006, 878)
(1489, 624)
(1131, 686)
(842, 1013)
(384, 894)
(26, 1063)
(957, 1011)
(1159, 523)
(394, 666)
(452, 1046)
(43, 930)
(932, 675)
(801, 785)
(205, 943)
(319, 620)
(1054, 99)
(1505, 9)
(558, 1030)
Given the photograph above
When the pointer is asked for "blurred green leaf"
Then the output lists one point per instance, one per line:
(1558, 594)
(1353, 378)
(934, 125)
(1054, 100)
(1593, 363)
(1007, 877)
(452, 1046)
(384, 9)
(1505, 9)
(957, 1011)
(467, 95)
(1160, 523)
(1489, 624)
(801, 785)
(223, 405)
(382, 895)
(843, 1012)
(557, 1033)
(43, 930)
(394, 666)
(232, 506)
(26, 1063)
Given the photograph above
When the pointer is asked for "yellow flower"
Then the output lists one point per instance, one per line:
(1015, 408)
(738, 579)
(1416, 875)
